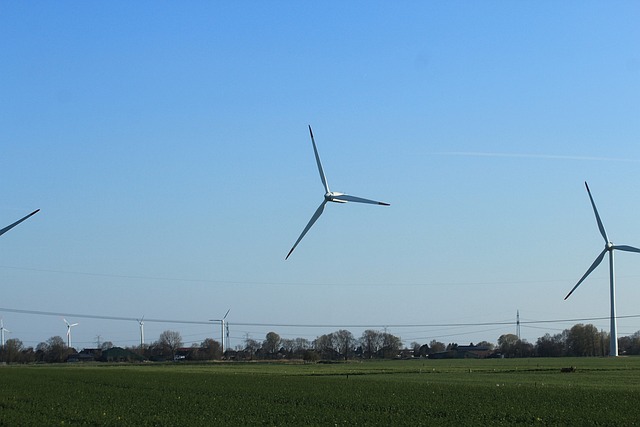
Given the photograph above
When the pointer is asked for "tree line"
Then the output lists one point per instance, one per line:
(580, 340)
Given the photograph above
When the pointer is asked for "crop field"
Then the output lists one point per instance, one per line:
(412, 392)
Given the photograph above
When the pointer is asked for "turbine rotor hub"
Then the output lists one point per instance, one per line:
(331, 196)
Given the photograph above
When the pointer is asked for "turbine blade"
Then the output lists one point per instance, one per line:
(65, 321)
(225, 315)
(593, 267)
(313, 219)
(626, 248)
(9, 227)
(595, 211)
(315, 151)
(348, 198)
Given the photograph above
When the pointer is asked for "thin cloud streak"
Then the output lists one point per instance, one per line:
(535, 156)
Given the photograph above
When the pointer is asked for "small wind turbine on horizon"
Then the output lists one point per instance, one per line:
(9, 227)
(3, 330)
(222, 329)
(141, 323)
(608, 247)
(69, 326)
(329, 196)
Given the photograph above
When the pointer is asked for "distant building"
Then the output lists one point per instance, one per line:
(473, 352)
(463, 352)
(86, 355)
(119, 354)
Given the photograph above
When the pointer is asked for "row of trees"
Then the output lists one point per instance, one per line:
(579, 340)
(337, 345)
(341, 344)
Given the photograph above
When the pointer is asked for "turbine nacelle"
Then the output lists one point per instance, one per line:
(334, 197)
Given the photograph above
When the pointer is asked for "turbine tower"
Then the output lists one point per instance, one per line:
(222, 329)
(3, 330)
(69, 326)
(141, 323)
(329, 196)
(9, 227)
(608, 247)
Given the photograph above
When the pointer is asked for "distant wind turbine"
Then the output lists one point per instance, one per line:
(329, 196)
(222, 329)
(69, 326)
(3, 330)
(9, 227)
(141, 323)
(608, 247)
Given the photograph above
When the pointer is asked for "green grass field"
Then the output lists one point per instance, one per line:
(412, 392)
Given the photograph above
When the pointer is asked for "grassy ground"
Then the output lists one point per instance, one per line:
(413, 392)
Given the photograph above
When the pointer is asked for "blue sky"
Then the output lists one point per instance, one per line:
(167, 146)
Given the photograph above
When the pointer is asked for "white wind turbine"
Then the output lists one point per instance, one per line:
(608, 247)
(9, 227)
(3, 330)
(329, 196)
(141, 323)
(222, 329)
(69, 326)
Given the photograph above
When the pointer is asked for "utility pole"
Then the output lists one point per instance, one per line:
(227, 332)
(518, 324)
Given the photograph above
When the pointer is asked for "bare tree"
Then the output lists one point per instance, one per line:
(371, 342)
(550, 346)
(391, 345)
(210, 349)
(106, 345)
(251, 346)
(302, 344)
(324, 346)
(436, 346)
(11, 351)
(344, 342)
(487, 344)
(272, 342)
(415, 347)
(288, 345)
(507, 344)
(170, 342)
(54, 350)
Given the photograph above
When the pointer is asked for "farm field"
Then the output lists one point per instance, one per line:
(413, 392)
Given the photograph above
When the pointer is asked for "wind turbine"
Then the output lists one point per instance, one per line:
(141, 323)
(608, 247)
(3, 330)
(69, 326)
(329, 196)
(9, 227)
(222, 329)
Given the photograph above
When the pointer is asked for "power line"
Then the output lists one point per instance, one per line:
(298, 325)
(100, 317)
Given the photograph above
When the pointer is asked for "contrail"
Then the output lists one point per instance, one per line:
(535, 156)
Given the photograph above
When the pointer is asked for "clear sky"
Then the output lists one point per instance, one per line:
(167, 146)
